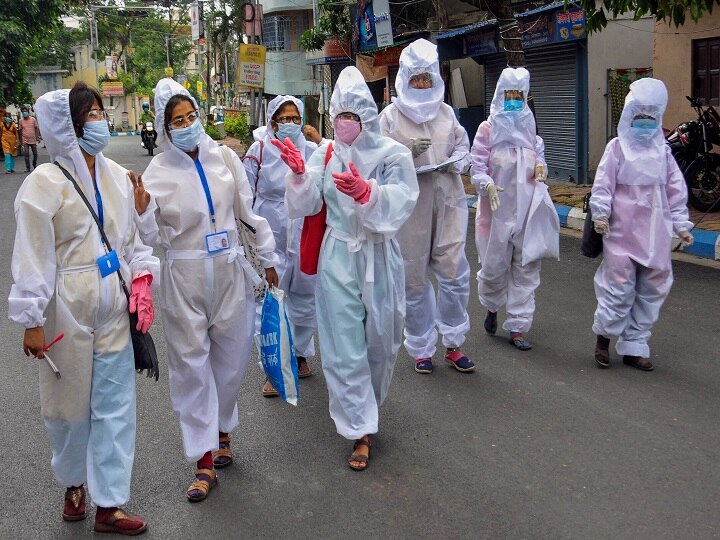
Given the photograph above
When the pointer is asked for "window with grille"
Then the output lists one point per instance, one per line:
(278, 33)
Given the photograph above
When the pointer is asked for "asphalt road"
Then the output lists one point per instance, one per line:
(537, 444)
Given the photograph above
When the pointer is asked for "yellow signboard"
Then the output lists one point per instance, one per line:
(252, 65)
(199, 88)
(169, 72)
(186, 85)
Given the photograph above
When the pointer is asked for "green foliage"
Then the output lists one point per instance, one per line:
(670, 11)
(23, 23)
(334, 20)
(211, 130)
(238, 126)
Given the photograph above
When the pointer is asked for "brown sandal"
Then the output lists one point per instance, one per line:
(199, 489)
(268, 390)
(304, 370)
(224, 456)
(359, 457)
(74, 508)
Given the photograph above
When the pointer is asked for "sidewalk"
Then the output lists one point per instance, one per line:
(568, 200)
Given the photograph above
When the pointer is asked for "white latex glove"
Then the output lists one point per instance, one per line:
(686, 237)
(540, 173)
(419, 146)
(492, 193)
(602, 226)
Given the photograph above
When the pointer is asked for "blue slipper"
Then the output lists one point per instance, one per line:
(459, 361)
(517, 339)
(424, 365)
(491, 323)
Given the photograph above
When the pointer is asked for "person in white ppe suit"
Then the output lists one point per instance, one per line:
(266, 174)
(89, 409)
(370, 188)
(516, 225)
(434, 235)
(638, 199)
(187, 203)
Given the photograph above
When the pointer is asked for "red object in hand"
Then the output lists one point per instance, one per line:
(290, 155)
(353, 185)
(53, 342)
(141, 301)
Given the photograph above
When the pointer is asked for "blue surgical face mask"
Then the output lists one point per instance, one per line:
(25, 114)
(513, 104)
(96, 137)
(649, 124)
(291, 130)
(187, 138)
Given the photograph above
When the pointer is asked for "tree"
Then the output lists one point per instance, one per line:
(670, 11)
(23, 23)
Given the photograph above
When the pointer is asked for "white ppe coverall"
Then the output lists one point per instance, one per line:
(206, 299)
(525, 228)
(640, 190)
(266, 173)
(360, 295)
(90, 412)
(434, 235)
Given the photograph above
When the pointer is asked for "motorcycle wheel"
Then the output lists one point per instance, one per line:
(703, 182)
(150, 148)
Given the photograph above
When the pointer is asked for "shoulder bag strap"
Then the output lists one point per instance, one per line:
(105, 240)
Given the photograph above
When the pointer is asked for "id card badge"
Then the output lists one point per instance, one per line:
(108, 264)
(217, 242)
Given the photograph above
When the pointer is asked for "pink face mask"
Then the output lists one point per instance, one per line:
(347, 130)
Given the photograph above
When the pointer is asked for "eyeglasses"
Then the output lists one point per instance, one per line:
(180, 122)
(421, 78)
(288, 119)
(348, 116)
(96, 114)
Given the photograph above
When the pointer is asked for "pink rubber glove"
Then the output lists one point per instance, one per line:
(352, 184)
(290, 155)
(141, 301)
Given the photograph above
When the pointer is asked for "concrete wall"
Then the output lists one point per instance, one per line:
(672, 62)
(271, 6)
(287, 73)
(624, 43)
(473, 80)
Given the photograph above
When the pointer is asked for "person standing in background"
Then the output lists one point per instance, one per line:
(10, 142)
(29, 137)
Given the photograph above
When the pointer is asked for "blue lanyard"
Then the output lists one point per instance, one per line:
(98, 200)
(206, 189)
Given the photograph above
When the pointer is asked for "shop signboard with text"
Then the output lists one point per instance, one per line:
(372, 25)
(251, 64)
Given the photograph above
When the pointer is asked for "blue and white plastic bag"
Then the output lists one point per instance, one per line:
(275, 344)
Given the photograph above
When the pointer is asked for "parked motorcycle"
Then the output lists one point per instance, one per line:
(148, 137)
(691, 144)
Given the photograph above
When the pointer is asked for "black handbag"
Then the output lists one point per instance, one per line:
(143, 346)
(592, 241)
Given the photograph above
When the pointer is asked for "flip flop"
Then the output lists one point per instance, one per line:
(268, 390)
(519, 342)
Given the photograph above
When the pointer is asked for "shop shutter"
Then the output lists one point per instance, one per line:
(554, 86)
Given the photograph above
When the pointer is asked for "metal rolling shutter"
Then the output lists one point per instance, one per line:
(553, 82)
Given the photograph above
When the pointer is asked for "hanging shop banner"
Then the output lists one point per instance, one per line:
(195, 21)
(389, 56)
(570, 24)
(372, 27)
(112, 88)
(537, 30)
(481, 43)
(333, 52)
(370, 71)
(111, 66)
(251, 64)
